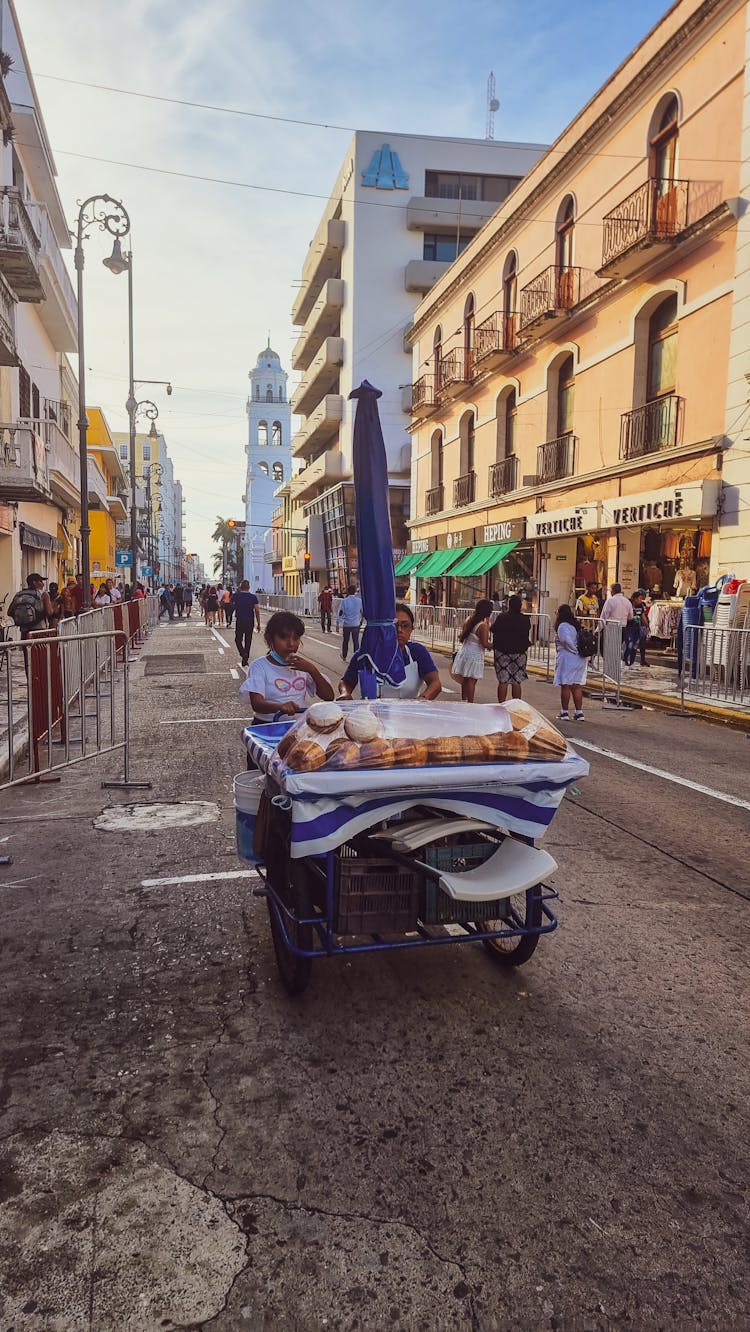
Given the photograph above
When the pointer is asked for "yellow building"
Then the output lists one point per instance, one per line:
(107, 496)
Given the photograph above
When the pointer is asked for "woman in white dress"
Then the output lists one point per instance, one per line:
(468, 664)
(570, 667)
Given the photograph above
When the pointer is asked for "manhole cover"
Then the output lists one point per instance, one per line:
(156, 817)
(176, 663)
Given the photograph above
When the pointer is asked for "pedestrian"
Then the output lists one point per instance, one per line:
(636, 630)
(166, 602)
(350, 618)
(423, 598)
(587, 605)
(283, 681)
(31, 608)
(229, 605)
(178, 600)
(220, 603)
(510, 643)
(497, 604)
(140, 592)
(325, 604)
(468, 663)
(187, 599)
(617, 607)
(69, 599)
(431, 598)
(115, 595)
(211, 605)
(570, 667)
(248, 611)
(102, 597)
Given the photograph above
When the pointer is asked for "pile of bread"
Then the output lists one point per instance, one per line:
(331, 738)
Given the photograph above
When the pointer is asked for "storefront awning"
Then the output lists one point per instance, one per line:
(409, 563)
(38, 540)
(438, 563)
(482, 558)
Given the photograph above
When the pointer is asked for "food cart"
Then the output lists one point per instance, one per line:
(356, 858)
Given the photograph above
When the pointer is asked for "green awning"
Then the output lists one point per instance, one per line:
(438, 563)
(482, 558)
(409, 562)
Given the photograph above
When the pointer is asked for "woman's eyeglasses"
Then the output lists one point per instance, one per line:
(402, 624)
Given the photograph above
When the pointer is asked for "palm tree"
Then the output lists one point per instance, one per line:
(225, 535)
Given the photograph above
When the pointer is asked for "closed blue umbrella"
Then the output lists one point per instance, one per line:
(375, 546)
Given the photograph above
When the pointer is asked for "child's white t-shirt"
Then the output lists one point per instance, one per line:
(279, 684)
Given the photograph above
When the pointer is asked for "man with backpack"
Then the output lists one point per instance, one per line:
(31, 608)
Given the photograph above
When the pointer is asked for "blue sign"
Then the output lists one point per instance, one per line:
(124, 559)
(146, 571)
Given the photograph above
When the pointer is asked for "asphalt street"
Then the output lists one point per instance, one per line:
(421, 1141)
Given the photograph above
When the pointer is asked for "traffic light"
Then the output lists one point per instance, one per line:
(231, 522)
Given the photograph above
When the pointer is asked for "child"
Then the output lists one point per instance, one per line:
(468, 664)
(283, 681)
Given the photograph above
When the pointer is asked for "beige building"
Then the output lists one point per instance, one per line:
(580, 393)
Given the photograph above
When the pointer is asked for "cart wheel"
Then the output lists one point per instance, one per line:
(517, 949)
(294, 970)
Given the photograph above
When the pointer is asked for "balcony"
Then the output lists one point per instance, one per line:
(443, 215)
(556, 459)
(548, 300)
(653, 427)
(320, 428)
(59, 311)
(323, 261)
(422, 274)
(317, 476)
(322, 376)
(434, 500)
(504, 476)
(8, 353)
(23, 463)
(651, 220)
(19, 247)
(422, 397)
(464, 489)
(322, 321)
(456, 371)
(63, 459)
(98, 497)
(118, 506)
(495, 340)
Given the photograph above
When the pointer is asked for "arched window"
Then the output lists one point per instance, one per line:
(262, 434)
(257, 392)
(263, 468)
(437, 356)
(564, 252)
(469, 319)
(565, 395)
(663, 164)
(467, 433)
(505, 416)
(269, 393)
(278, 471)
(510, 300)
(662, 350)
(281, 393)
(276, 434)
(436, 468)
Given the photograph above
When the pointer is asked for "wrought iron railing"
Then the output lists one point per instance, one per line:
(556, 459)
(655, 426)
(464, 489)
(422, 393)
(433, 500)
(18, 230)
(657, 210)
(494, 335)
(456, 368)
(504, 476)
(552, 290)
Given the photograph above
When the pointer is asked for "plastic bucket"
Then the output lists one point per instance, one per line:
(248, 789)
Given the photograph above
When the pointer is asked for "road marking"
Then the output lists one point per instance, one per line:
(234, 673)
(659, 772)
(218, 636)
(332, 647)
(221, 652)
(199, 878)
(201, 721)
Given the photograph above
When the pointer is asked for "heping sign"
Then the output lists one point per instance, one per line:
(510, 530)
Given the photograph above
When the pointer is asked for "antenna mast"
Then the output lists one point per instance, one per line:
(492, 106)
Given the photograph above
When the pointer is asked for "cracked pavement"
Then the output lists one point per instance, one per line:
(422, 1141)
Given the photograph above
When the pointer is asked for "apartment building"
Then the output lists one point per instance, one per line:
(107, 491)
(402, 208)
(39, 467)
(580, 393)
(161, 504)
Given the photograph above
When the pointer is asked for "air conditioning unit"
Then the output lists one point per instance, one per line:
(529, 480)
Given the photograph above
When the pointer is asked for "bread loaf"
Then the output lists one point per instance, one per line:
(445, 749)
(343, 754)
(306, 756)
(377, 754)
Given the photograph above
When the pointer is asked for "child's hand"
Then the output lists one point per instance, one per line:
(289, 709)
(299, 663)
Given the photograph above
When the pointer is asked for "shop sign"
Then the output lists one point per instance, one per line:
(421, 545)
(661, 506)
(563, 522)
(459, 540)
(512, 529)
(289, 564)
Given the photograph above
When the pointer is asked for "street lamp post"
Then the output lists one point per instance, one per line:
(109, 215)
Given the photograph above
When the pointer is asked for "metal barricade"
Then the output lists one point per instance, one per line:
(716, 664)
(609, 658)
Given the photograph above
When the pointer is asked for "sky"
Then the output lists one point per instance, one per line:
(216, 262)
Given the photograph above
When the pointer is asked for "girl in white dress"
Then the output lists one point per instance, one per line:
(468, 665)
(570, 666)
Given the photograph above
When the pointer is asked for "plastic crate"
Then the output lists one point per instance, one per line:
(375, 897)
(436, 907)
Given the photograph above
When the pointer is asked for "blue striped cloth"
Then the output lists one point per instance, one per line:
(328, 808)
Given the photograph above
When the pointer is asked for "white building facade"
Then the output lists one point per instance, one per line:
(268, 459)
(402, 208)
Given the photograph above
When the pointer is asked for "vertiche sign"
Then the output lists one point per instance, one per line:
(563, 522)
(661, 506)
